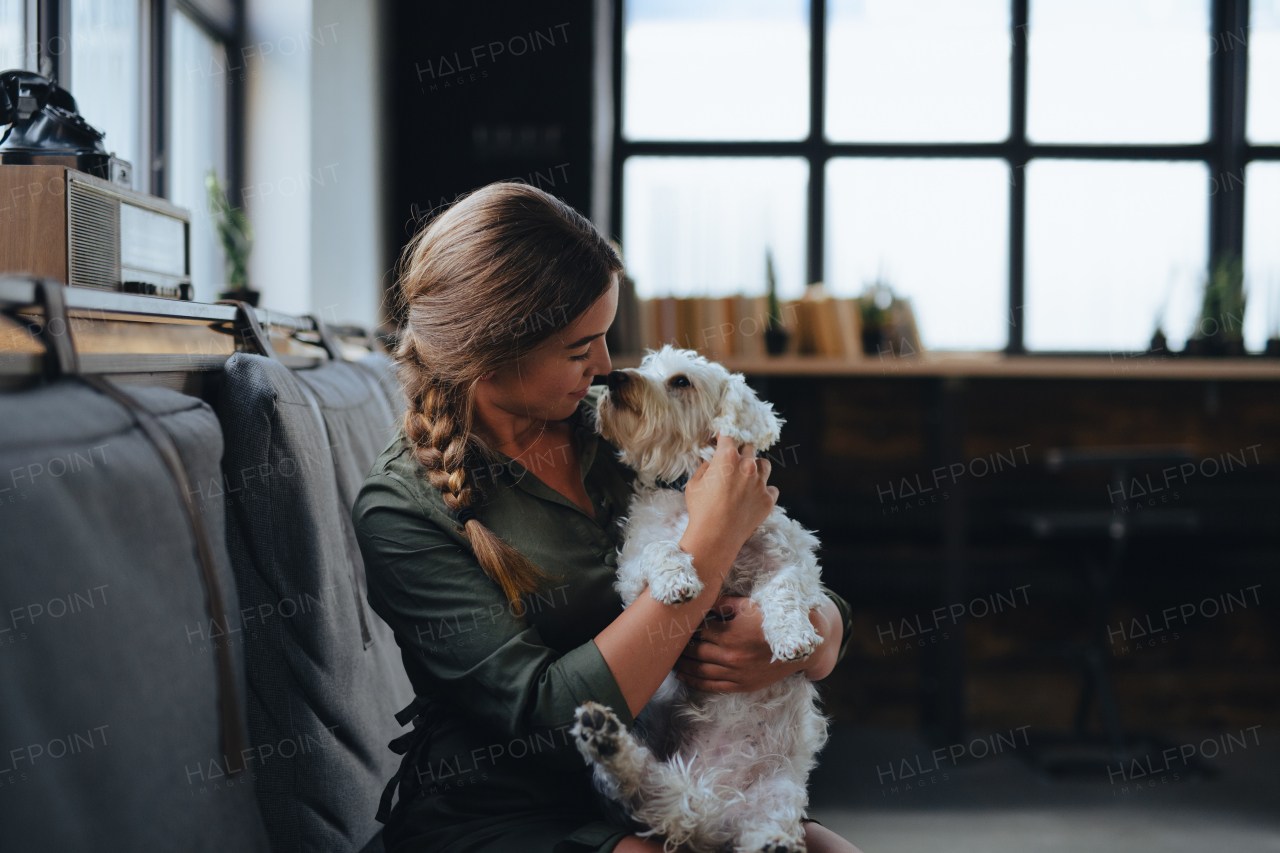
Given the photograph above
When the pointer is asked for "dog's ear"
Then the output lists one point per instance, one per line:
(746, 417)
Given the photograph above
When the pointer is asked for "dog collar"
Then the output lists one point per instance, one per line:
(678, 483)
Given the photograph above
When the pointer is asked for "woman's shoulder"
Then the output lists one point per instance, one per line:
(396, 487)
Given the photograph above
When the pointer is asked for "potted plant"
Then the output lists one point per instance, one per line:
(775, 336)
(1159, 341)
(236, 236)
(874, 305)
(1219, 330)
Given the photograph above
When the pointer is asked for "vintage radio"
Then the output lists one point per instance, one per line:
(65, 224)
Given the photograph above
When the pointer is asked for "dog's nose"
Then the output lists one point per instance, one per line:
(617, 379)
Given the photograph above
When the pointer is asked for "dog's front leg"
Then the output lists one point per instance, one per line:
(785, 600)
(672, 577)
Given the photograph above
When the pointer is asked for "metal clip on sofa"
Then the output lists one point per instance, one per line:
(187, 657)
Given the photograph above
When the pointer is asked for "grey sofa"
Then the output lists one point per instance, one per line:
(109, 722)
(323, 669)
(187, 659)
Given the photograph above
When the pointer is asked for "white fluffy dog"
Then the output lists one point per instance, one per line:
(709, 771)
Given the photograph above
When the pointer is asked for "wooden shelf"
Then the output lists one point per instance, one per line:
(988, 365)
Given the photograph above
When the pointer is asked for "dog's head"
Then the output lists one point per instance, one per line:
(665, 414)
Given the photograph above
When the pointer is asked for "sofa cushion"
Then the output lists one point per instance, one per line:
(323, 669)
(109, 725)
(385, 371)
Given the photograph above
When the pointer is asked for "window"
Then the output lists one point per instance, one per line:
(717, 69)
(197, 142)
(1262, 253)
(1118, 71)
(12, 34)
(1264, 71)
(880, 211)
(154, 78)
(106, 80)
(1113, 249)
(960, 150)
(948, 60)
(702, 225)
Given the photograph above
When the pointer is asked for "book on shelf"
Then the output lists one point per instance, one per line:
(734, 326)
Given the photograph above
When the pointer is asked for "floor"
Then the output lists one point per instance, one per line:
(885, 791)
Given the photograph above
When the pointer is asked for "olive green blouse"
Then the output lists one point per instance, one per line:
(496, 692)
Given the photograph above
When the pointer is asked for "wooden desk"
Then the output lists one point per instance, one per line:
(994, 365)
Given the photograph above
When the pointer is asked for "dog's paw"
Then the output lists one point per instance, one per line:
(597, 732)
(675, 587)
(670, 572)
(795, 644)
(773, 842)
(782, 845)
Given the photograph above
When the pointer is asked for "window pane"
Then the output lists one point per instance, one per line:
(700, 226)
(197, 124)
(1112, 247)
(882, 211)
(716, 69)
(1119, 71)
(918, 70)
(1262, 253)
(12, 34)
(1264, 71)
(105, 58)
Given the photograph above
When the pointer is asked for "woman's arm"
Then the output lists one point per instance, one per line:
(466, 648)
(728, 499)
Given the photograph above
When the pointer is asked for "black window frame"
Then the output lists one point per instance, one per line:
(1227, 151)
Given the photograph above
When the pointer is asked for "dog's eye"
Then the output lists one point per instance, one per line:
(679, 381)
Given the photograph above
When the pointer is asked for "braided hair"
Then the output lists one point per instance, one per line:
(487, 281)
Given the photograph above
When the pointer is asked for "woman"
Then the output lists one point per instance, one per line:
(489, 534)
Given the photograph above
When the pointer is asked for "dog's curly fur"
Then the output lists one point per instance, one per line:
(707, 771)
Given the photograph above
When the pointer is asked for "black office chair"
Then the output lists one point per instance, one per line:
(1081, 751)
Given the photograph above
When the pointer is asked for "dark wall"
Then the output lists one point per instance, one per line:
(486, 91)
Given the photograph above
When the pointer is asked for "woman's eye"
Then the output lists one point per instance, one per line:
(679, 382)
(582, 357)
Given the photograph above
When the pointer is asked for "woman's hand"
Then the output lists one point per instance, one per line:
(729, 653)
(728, 498)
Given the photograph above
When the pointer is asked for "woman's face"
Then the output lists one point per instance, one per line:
(547, 383)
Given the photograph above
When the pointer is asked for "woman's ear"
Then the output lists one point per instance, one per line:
(488, 375)
(746, 417)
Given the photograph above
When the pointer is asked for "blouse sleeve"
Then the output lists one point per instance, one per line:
(456, 623)
(846, 617)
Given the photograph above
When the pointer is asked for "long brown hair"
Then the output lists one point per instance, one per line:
(486, 282)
